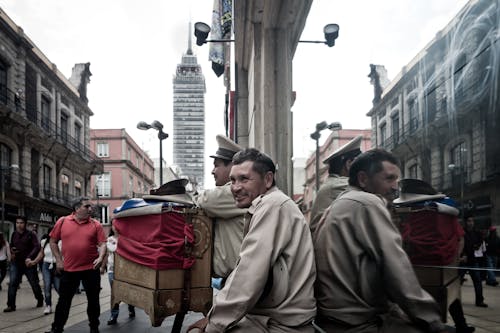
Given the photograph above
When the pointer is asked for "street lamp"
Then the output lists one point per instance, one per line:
(161, 136)
(335, 126)
(3, 170)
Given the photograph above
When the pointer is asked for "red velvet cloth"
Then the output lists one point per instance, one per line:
(156, 240)
(431, 238)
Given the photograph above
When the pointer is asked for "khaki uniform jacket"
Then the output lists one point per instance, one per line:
(276, 233)
(328, 192)
(362, 266)
(218, 203)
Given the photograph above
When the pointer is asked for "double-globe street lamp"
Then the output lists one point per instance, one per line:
(3, 171)
(161, 136)
(335, 126)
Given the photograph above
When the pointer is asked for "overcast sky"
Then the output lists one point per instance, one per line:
(134, 48)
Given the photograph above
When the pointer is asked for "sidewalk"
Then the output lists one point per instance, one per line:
(27, 318)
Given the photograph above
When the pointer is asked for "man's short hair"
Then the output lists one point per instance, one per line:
(77, 203)
(22, 217)
(371, 163)
(262, 163)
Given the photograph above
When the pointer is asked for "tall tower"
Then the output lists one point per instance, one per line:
(189, 117)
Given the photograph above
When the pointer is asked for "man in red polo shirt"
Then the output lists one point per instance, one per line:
(83, 250)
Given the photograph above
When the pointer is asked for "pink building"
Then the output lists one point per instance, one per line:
(128, 170)
(334, 141)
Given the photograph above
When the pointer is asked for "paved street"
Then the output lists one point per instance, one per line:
(28, 318)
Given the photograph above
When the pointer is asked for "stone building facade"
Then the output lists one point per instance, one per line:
(128, 170)
(44, 132)
(441, 114)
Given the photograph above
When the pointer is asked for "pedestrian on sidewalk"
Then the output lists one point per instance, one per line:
(111, 244)
(474, 249)
(83, 250)
(4, 257)
(24, 246)
(50, 278)
(492, 250)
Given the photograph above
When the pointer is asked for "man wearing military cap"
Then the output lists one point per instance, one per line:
(218, 203)
(339, 163)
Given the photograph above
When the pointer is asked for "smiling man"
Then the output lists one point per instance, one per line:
(218, 203)
(362, 268)
(271, 288)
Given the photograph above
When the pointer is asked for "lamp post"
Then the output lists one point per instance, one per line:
(161, 136)
(3, 170)
(315, 136)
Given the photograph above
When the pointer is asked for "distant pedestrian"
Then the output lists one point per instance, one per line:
(24, 246)
(48, 264)
(111, 244)
(4, 257)
(474, 249)
(83, 250)
(492, 251)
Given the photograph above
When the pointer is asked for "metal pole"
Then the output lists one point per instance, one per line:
(317, 164)
(161, 157)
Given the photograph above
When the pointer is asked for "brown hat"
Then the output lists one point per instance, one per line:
(352, 145)
(415, 190)
(227, 148)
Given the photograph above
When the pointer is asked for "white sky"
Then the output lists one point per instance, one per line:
(134, 48)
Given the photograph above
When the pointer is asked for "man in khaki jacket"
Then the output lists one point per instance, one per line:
(218, 203)
(363, 272)
(271, 288)
(339, 163)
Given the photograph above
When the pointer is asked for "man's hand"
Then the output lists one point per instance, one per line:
(200, 324)
(59, 266)
(29, 263)
(97, 263)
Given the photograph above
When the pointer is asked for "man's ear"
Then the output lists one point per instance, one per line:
(268, 179)
(362, 179)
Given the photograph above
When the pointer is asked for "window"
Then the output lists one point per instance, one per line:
(383, 134)
(413, 171)
(413, 112)
(103, 184)
(78, 189)
(102, 149)
(395, 128)
(5, 155)
(47, 179)
(104, 214)
(131, 186)
(45, 113)
(65, 185)
(78, 133)
(129, 154)
(3, 83)
(64, 127)
(458, 158)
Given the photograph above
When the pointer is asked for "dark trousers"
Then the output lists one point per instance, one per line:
(91, 280)
(477, 282)
(16, 272)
